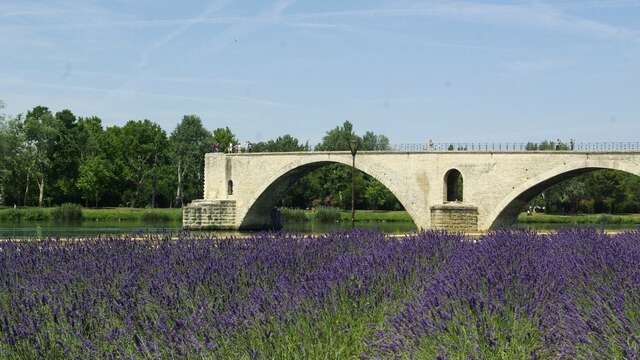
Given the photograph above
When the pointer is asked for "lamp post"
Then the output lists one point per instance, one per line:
(353, 146)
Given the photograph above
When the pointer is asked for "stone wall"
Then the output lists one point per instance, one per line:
(209, 215)
(454, 217)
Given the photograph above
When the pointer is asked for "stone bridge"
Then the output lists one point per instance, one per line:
(461, 191)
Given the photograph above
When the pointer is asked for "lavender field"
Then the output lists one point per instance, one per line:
(344, 295)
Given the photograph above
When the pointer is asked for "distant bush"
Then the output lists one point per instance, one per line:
(13, 215)
(629, 207)
(586, 206)
(608, 219)
(293, 215)
(24, 214)
(67, 212)
(36, 214)
(153, 216)
(325, 214)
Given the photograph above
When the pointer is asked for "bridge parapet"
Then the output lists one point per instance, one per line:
(587, 147)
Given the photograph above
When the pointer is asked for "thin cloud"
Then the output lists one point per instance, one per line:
(598, 4)
(227, 37)
(535, 66)
(133, 93)
(531, 15)
(181, 29)
(550, 15)
(171, 79)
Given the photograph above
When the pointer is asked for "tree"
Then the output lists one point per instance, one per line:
(338, 139)
(605, 187)
(66, 158)
(94, 178)
(378, 197)
(95, 174)
(285, 143)
(140, 148)
(373, 142)
(224, 139)
(189, 142)
(90, 137)
(41, 137)
(5, 153)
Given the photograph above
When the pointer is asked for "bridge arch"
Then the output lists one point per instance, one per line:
(259, 206)
(507, 210)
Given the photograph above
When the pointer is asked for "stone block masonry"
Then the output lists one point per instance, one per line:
(209, 215)
(454, 217)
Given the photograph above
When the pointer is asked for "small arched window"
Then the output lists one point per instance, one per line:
(230, 187)
(453, 185)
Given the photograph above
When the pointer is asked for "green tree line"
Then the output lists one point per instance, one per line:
(52, 158)
(600, 191)
(49, 158)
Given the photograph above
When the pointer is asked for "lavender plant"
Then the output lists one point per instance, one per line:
(356, 294)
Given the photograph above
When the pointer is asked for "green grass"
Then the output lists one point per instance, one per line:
(96, 215)
(295, 215)
(327, 215)
(579, 219)
(31, 214)
(300, 215)
(376, 216)
(132, 214)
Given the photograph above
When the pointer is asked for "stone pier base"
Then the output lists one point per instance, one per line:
(454, 217)
(209, 215)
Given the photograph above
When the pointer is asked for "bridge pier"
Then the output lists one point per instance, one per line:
(210, 215)
(457, 217)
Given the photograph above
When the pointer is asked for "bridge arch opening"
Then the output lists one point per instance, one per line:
(334, 180)
(570, 192)
(453, 186)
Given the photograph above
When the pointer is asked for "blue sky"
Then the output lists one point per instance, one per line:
(412, 70)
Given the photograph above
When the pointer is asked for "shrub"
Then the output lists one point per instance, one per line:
(67, 212)
(608, 219)
(325, 214)
(35, 214)
(293, 215)
(152, 216)
(24, 214)
(586, 206)
(629, 207)
(13, 215)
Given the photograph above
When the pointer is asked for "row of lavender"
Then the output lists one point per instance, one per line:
(343, 295)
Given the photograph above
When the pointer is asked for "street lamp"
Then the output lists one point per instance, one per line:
(353, 146)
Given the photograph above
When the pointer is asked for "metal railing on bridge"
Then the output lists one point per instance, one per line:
(510, 147)
(492, 147)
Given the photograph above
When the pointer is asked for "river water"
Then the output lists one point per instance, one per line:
(85, 229)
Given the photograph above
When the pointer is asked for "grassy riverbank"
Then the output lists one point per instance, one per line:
(403, 216)
(579, 219)
(89, 214)
(294, 215)
(335, 215)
